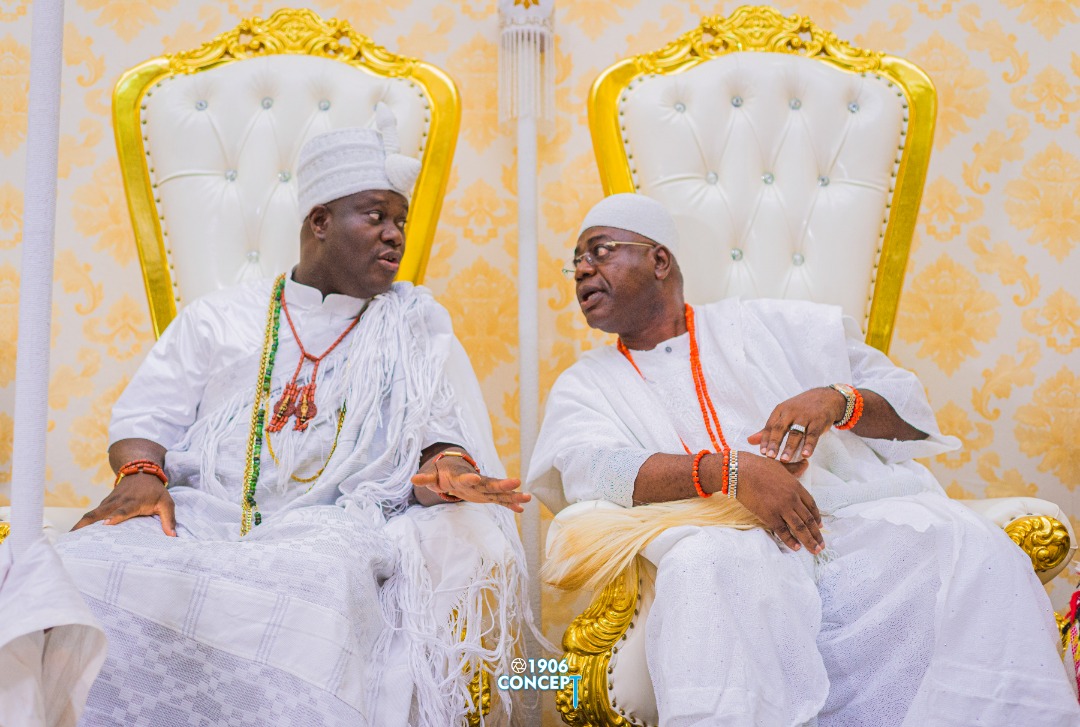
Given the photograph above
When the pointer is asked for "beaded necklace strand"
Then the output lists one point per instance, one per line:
(708, 411)
(300, 401)
(250, 512)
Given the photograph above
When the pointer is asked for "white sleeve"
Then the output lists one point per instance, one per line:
(872, 370)
(583, 451)
(590, 472)
(162, 399)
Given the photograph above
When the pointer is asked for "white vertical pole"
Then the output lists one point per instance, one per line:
(528, 343)
(528, 357)
(35, 288)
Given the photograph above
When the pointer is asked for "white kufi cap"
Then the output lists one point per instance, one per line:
(635, 213)
(346, 161)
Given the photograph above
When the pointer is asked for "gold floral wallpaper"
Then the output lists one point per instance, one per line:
(990, 318)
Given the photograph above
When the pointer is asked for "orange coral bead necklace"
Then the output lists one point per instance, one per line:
(297, 400)
(708, 411)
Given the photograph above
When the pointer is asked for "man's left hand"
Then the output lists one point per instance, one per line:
(457, 479)
(814, 410)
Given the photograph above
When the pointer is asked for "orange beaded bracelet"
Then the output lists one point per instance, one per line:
(454, 453)
(853, 411)
(142, 466)
(697, 475)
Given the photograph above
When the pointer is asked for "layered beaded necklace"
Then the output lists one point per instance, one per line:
(294, 400)
(708, 411)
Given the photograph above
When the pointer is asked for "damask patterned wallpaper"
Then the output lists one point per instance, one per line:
(990, 318)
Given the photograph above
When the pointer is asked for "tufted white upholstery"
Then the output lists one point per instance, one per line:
(222, 146)
(779, 170)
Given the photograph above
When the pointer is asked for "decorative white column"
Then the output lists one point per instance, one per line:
(527, 94)
(35, 288)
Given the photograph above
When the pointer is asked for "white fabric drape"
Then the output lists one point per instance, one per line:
(343, 586)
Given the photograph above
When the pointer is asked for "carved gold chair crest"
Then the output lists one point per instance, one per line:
(794, 164)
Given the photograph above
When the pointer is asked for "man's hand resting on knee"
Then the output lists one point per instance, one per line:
(136, 495)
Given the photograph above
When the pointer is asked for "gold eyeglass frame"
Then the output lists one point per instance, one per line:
(287, 31)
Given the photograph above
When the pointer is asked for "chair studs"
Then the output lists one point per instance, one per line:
(267, 102)
(736, 254)
(797, 259)
(768, 178)
(324, 105)
(711, 177)
(795, 104)
(284, 175)
(201, 105)
(736, 101)
(253, 256)
(680, 107)
(230, 174)
(823, 181)
(853, 107)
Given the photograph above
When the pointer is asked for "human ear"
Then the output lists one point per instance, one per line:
(319, 220)
(663, 262)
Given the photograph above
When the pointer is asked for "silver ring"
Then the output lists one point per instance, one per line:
(797, 428)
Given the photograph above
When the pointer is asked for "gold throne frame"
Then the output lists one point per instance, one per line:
(287, 31)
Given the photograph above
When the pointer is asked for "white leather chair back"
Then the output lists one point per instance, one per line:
(222, 146)
(779, 170)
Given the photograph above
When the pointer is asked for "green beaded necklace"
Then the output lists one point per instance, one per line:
(251, 515)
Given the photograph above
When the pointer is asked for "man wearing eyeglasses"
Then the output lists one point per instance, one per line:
(829, 581)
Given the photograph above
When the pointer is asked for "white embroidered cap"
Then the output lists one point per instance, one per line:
(635, 213)
(346, 161)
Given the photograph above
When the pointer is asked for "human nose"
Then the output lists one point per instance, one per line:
(393, 235)
(585, 262)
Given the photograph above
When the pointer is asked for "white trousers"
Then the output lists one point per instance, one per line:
(921, 614)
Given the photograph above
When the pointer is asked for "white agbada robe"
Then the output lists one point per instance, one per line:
(919, 612)
(289, 625)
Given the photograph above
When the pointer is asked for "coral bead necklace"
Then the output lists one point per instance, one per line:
(296, 400)
(708, 411)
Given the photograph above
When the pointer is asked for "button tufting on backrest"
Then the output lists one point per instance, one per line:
(217, 218)
(757, 189)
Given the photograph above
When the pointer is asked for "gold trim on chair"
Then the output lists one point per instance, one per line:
(763, 29)
(590, 642)
(287, 31)
(1043, 538)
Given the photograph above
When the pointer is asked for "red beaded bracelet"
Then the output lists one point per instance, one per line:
(853, 411)
(142, 466)
(454, 453)
(697, 476)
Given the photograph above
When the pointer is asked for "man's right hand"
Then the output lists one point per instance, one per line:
(137, 495)
(769, 489)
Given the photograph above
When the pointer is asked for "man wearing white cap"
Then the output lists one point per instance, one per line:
(284, 577)
(828, 580)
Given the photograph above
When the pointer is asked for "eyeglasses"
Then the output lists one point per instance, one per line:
(599, 255)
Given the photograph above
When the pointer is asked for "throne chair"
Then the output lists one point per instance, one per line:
(793, 163)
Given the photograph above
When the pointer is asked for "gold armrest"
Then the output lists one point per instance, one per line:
(590, 643)
(1045, 540)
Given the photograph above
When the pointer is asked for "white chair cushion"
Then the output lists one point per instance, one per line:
(778, 170)
(222, 146)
